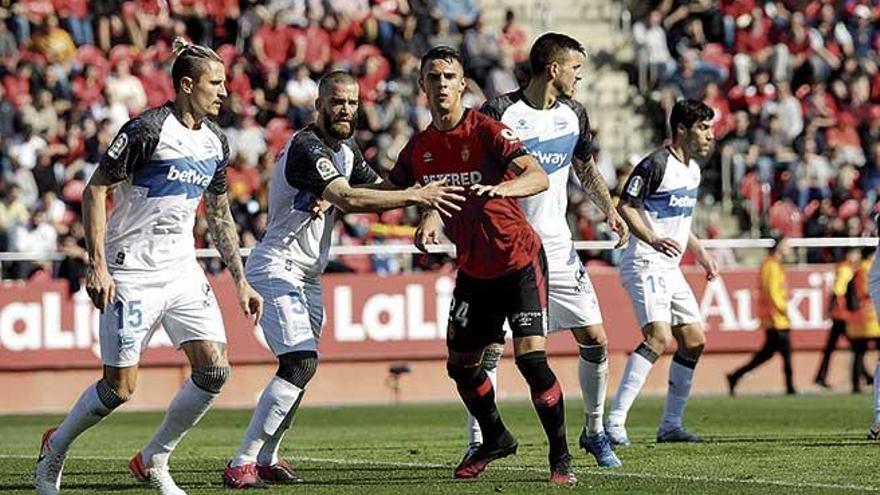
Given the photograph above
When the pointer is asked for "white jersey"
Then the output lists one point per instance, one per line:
(164, 167)
(295, 242)
(554, 136)
(666, 190)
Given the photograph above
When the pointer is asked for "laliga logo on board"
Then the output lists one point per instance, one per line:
(391, 317)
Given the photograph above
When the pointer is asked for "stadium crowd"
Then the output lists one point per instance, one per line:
(796, 89)
(73, 71)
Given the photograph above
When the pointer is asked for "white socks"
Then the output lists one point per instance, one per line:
(637, 368)
(87, 412)
(185, 410)
(271, 419)
(593, 378)
(681, 376)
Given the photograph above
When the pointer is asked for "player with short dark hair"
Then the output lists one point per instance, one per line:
(320, 172)
(556, 131)
(143, 269)
(502, 268)
(657, 203)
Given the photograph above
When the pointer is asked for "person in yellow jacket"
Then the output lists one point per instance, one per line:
(843, 274)
(862, 327)
(773, 310)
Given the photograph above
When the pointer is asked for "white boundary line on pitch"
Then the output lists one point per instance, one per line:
(590, 471)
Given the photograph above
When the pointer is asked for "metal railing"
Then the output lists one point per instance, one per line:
(344, 250)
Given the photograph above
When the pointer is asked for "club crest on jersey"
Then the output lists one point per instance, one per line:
(559, 123)
(427, 157)
(118, 146)
(325, 168)
(522, 124)
(465, 153)
(635, 186)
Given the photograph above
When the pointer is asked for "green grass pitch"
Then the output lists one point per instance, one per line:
(804, 444)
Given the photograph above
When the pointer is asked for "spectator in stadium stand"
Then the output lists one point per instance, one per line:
(8, 43)
(773, 310)
(514, 39)
(13, 212)
(121, 86)
(689, 81)
(752, 46)
(480, 50)
(788, 108)
(53, 42)
(735, 146)
(837, 309)
(77, 19)
(36, 236)
(463, 13)
(862, 327)
(272, 44)
(301, 90)
(653, 48)
(41, 115)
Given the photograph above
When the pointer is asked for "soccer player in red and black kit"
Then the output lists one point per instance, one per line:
(502, 268)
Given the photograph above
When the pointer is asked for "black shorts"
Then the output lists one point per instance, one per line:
(480, 306)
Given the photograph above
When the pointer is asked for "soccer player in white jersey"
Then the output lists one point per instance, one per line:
(321, 163)
(556, 131)
(143, 269)
(657, 202)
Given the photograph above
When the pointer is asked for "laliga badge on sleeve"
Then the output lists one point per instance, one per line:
(118, 146)
(326, 169)
(635, 186)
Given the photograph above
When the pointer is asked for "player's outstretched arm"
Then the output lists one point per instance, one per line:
(222, 228)
(445, 199)
(595, 187)
(706, 260)
(633, 217)
(99, 284)
(530, 180)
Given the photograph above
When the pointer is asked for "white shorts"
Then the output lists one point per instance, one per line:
(573, 302)
(660, 294)
(293, 312)
(185, 307)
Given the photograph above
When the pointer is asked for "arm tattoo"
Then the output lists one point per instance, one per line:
(593, 184)
(222, 228)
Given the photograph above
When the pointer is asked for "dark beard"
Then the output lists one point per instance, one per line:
(335, 134)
